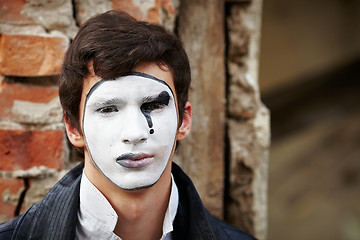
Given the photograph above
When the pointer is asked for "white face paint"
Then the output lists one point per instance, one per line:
(130, 126)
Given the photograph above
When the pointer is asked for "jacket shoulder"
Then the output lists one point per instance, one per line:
(7, 228)
(223, 230)
(234, 233)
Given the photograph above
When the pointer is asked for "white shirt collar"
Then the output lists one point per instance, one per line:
(97, 218)
(171, 210)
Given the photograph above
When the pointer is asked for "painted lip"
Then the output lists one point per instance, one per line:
(134, 160)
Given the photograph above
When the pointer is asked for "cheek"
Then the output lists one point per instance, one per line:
(99, 133)
(166, 127)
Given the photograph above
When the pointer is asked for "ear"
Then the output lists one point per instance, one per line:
(184, 129)
(74, 135)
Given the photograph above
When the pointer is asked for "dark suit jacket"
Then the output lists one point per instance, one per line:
(55, 217)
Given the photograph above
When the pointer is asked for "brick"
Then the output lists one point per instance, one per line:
(168, 5)
(129, 7)
(11, 92)
(10, 12)
(52, 15)
(88, 8)
(29, 55)
(23, 149)
(149, 11)
(156, 11)
(10, 190)
(153, 13)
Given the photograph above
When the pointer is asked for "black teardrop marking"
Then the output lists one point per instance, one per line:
(162, 98)
(148, 118)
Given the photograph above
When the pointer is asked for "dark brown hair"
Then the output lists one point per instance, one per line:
(116, 43)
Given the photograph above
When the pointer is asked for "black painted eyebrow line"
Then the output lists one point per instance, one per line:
(145, 75)
(149, 99)
(158, 98)
(140, 74)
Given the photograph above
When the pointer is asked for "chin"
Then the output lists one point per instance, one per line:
(135, 188)
(136, 185)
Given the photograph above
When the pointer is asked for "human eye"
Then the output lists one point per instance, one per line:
(107, 110)
(156, 103)
(151, 106)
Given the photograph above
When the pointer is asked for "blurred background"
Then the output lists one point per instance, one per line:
(310, 81)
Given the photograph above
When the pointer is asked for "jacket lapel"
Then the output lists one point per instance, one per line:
(190, 221)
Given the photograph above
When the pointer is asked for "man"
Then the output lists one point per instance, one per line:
(124, 91)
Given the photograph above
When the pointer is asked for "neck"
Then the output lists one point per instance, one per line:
(135, 209)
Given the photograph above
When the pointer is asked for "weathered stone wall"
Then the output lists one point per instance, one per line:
(226, 153)
(202, 154)
(248, 129)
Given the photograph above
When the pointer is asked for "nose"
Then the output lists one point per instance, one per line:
(135, 128)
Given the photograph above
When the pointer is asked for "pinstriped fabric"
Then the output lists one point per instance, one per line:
(55, 217)
(56, 214)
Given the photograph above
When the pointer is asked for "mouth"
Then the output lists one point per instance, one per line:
(134, 160)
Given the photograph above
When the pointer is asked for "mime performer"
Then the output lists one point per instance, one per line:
(124, 92)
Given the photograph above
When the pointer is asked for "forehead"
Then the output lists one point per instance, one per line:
(163, 73)
(134, 84)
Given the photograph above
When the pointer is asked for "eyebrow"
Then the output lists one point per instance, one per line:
(162, 97)
(106, 102)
